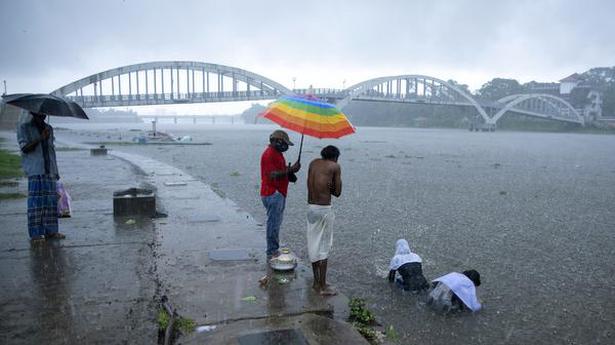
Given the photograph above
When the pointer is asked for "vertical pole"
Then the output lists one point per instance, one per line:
(188, 82)
(234, 84)
(146, 86)
(113, 87)
(177, 71)
(172, 83)
(219, 92)
(138, 93)
(162, 81)
(207, 82)
(407, 87)
(155, 88)
(119, 86)
(203, 71)
(129, 85)
(193, 82)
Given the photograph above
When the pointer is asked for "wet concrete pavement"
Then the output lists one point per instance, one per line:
(95, 286)
(102, 283)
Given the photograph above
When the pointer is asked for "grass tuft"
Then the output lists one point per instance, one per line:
(10, 165)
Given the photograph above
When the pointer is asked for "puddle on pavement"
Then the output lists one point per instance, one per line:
(283, 336)
(230, 255)
(204, 218)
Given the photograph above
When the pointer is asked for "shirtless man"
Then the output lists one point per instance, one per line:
(324, 180)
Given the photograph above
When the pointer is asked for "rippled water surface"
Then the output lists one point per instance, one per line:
(534, 213)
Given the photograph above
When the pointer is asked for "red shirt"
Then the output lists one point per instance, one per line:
(272, 160)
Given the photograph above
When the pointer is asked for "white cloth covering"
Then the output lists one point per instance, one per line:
(319, 231)
(463, 287)
(403, 255)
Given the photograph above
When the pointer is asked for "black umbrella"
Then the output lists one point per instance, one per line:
(45, 104)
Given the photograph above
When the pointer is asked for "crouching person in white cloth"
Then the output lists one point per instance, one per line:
(455, 292)
(324, 180)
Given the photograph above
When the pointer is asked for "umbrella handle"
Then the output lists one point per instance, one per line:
(300, 148)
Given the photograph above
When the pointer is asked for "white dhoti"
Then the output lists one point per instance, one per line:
(319, 231)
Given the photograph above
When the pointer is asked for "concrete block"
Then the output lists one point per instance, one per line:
(99, 151)
(134, 202)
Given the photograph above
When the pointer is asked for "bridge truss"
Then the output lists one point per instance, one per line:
(538, 105)
(411, 88)
(182, 82)
(170, 82)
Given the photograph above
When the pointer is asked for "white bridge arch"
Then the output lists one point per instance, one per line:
(144, 84)
(414, 88)
(539, 105)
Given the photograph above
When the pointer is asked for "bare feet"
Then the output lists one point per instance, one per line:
(328, 291)
(36, 240)
(56, 236)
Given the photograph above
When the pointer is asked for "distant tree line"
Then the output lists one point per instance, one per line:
(365, 113)
(601, 79)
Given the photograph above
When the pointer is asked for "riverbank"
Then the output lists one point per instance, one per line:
(104, 282)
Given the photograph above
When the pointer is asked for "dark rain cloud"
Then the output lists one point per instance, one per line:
(49, 43)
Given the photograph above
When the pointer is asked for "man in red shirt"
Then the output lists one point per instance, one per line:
(274, 186)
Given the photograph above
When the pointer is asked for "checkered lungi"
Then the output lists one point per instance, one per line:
(42, 205)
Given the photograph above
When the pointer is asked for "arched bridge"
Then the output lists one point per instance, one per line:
(170, 82)
(538, 105)
(181, 82)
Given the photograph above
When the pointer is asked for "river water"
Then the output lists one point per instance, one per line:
(534, 213)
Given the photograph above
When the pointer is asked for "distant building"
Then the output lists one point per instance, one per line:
(570, 82)
(548, 88)
(576, 90)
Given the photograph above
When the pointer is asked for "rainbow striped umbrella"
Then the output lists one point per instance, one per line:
(309, 115)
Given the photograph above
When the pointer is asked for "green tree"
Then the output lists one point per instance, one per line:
(498, 88)
(608, 100)
(463, 87)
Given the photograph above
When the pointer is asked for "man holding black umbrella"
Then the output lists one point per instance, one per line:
(38, 155)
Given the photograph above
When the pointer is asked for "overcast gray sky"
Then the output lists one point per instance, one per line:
(48, 43)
